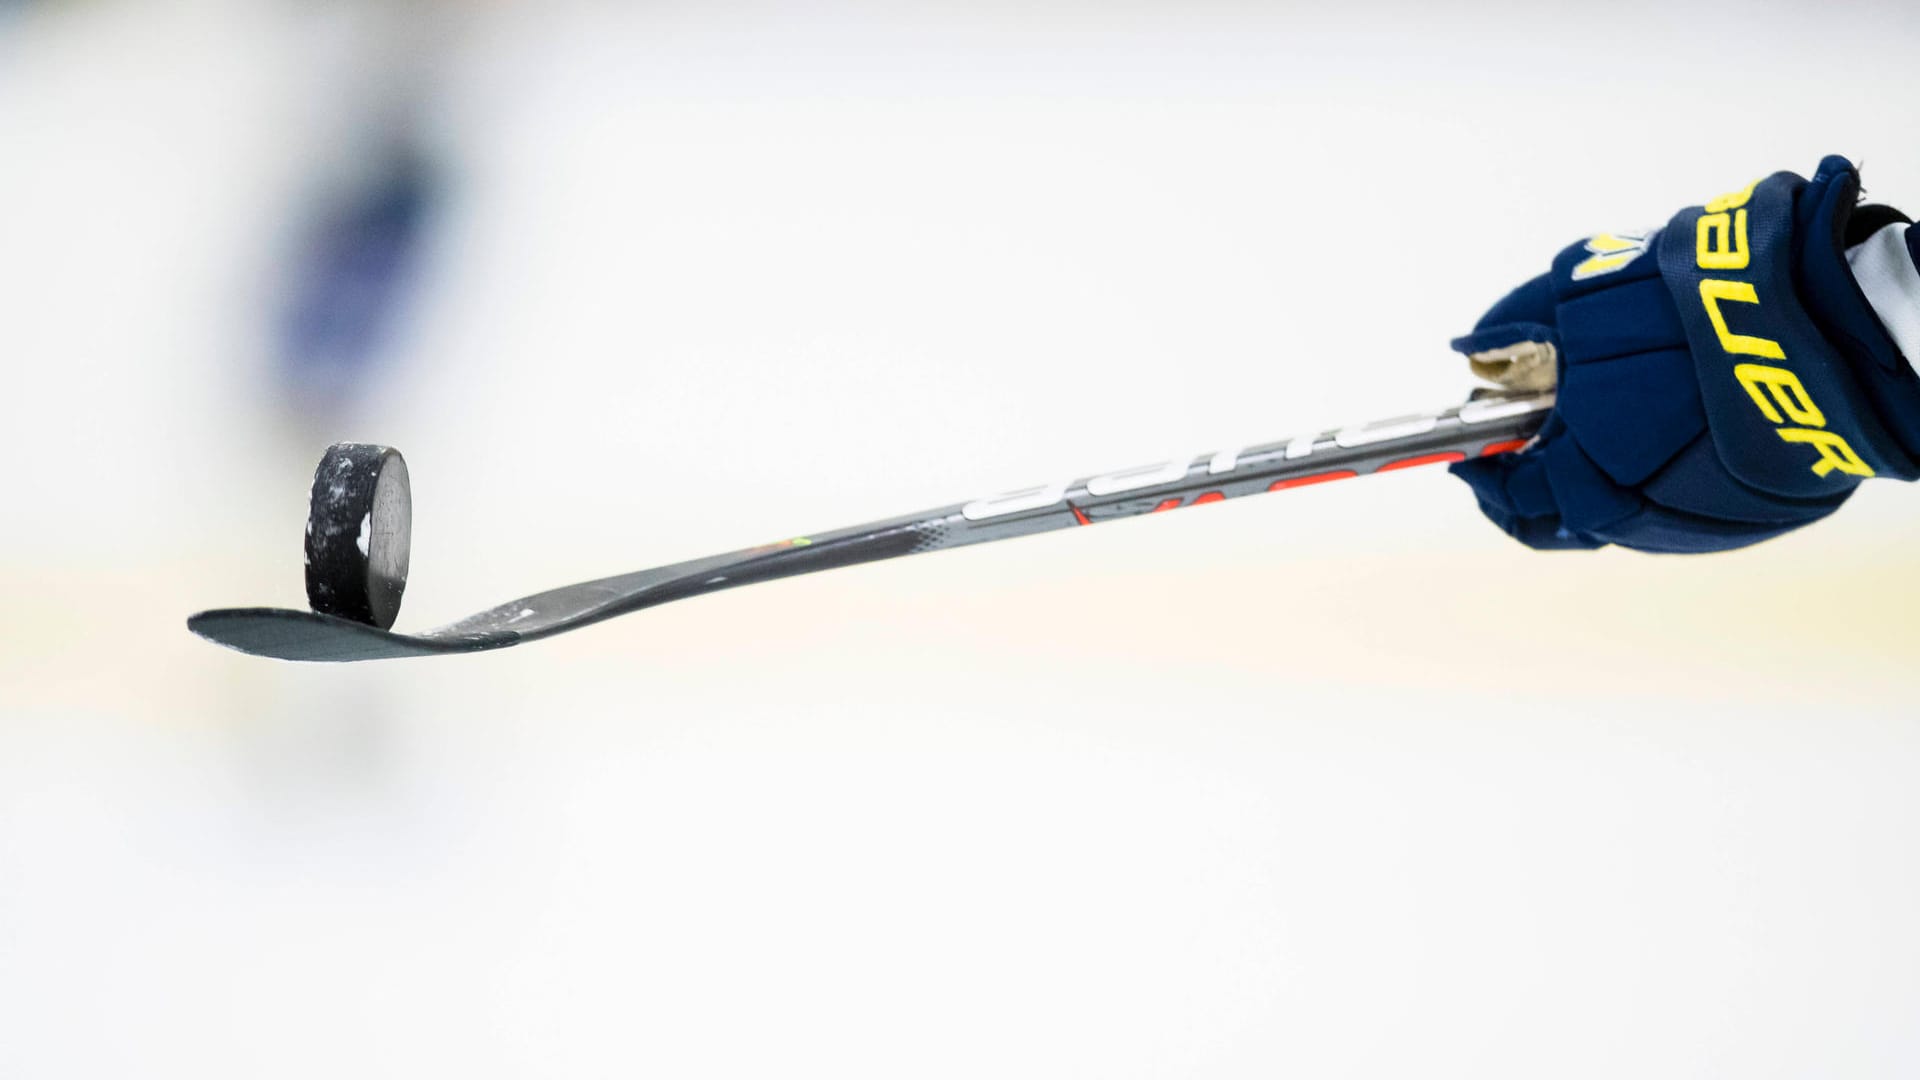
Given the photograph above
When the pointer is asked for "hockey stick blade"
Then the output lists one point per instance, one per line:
(1485, 425)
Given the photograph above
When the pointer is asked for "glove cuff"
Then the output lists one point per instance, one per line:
(1828, 220)
(1803, 388)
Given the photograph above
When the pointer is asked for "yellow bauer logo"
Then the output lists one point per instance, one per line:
(1611, 251)
(1721, 244)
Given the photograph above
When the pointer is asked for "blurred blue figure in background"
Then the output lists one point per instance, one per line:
(352, 278)
(351, 80)
(372, 175)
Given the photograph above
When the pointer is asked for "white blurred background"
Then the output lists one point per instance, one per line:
(1337, 784)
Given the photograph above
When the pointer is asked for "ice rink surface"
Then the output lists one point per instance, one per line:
(1334, 783)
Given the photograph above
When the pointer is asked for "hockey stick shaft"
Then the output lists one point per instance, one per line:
(1478, 428)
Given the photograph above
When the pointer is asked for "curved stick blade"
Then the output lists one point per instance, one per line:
(285, 634)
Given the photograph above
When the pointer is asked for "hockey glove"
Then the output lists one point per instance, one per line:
(1721, 381)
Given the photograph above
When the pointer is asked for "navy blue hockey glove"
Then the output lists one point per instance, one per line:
(1720, 381)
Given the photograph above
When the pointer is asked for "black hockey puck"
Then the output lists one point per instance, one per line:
(359, 525)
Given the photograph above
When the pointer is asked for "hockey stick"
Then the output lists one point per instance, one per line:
(1486, 425)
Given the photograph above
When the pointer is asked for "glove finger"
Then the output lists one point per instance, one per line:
(1525, 314)
(1671, 532)
(1513, 492)
(1698, 483)
(1632, 314)
(1634, 413)
(1587, 500)
(1515, 482)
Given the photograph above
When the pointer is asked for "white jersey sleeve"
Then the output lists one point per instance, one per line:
(1887, 266)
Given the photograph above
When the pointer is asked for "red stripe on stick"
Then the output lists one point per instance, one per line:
(1423, 459)
(1211, 496)
(1316, 478)
(1078, 516)
(1166, 504)
(1507, 447)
